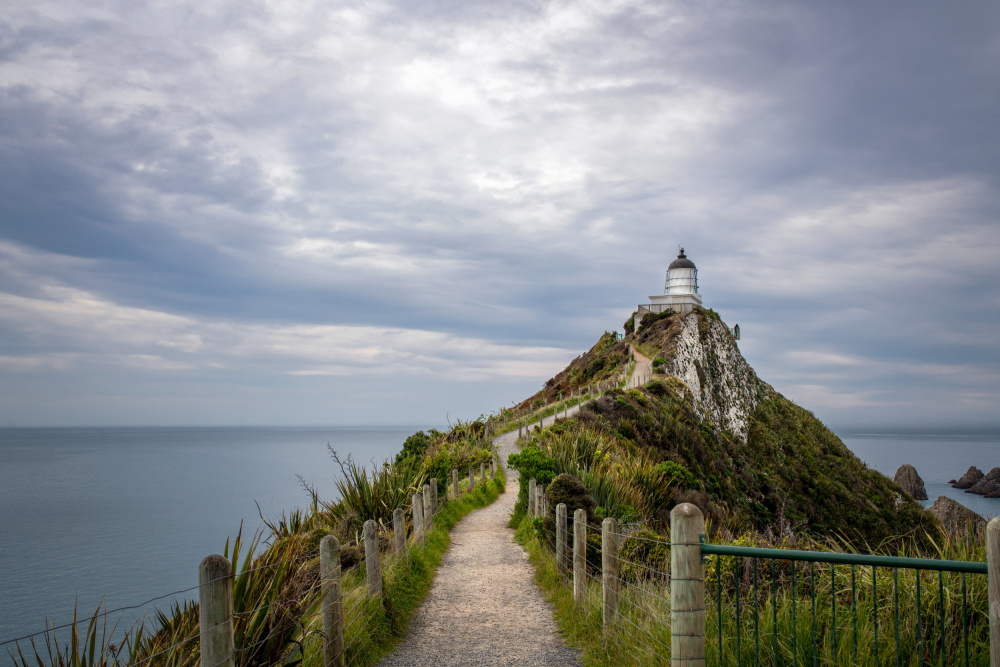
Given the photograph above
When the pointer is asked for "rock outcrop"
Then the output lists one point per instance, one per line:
(988, 486)
(908, 478)
(955, 517)
(726, 391)
(969, 479)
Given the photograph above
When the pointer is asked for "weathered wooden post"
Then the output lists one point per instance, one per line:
(398, 531)
(687, 587)
(454, 482)
(333, 603)
(531, 498)
(580, 556)
(561, 538)
(434, 494)
(609, 571)
(482, 471)
(215, 614)
(539, 500)
(373, 564)
(428, 510)
(993, 567)
(418, 519)
(472, 479)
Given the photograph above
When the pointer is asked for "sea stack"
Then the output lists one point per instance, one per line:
(969, 479)
(956, 517)
(989, 485)
(908, 478)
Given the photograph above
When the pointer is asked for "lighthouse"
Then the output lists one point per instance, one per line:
(680, 290)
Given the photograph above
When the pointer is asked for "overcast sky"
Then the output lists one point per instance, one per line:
(298, 212)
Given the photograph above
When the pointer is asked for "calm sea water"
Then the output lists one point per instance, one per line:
(125, 514)
(937, 456)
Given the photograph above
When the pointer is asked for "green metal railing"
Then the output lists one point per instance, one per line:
(828, 631)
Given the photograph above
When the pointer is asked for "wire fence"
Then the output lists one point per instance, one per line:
(260, 622)
(694, 603)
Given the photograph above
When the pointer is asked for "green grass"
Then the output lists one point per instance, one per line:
(782, 630)
(276, 586)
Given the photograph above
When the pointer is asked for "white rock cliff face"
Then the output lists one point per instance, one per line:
(725, 389)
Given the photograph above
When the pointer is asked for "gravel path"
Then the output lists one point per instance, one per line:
(642, 369)
(484, 607)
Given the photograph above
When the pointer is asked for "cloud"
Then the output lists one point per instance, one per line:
(477, 190)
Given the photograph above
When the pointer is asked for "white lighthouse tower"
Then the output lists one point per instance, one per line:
(680, 291)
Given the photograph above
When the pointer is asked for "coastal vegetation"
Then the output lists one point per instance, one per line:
(643, 450)
(776, 617)
(765, 473)
(276, 587)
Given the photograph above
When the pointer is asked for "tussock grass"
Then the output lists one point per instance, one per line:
(276, 585)
(780, 627)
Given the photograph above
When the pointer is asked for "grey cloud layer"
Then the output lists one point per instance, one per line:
(513, 176)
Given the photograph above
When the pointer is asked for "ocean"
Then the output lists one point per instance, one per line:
(938, 455)
(121, 515)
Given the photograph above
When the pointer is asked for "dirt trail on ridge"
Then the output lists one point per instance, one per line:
(642, 370)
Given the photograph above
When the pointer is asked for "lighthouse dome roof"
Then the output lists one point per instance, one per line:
(682, 262)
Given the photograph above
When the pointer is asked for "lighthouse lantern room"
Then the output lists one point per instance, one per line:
(680, 291)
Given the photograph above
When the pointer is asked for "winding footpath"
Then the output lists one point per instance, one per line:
(484, 607)
(642, 369)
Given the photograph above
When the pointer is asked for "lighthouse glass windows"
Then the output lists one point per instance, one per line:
(682, 281)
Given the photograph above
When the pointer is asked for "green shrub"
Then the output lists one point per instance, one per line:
(644, 556)
(414, 446)
(529, 462)
(682, 475)
(570, 491)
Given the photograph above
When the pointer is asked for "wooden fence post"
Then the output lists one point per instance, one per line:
(398, 531)
(609, 571)
(418, 519)
(580, 556)
(539, 500)
(373, 564)
(687, 587)
(561, 538)
(434, 493)
(454, 482)
(482, 471)
(993, 567)
(333, 603)
(531, 497)
(428, 510)
(215, 613)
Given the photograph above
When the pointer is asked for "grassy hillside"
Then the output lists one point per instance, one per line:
(643, 450)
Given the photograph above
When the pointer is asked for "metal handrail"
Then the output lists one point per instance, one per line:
(971, 567)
